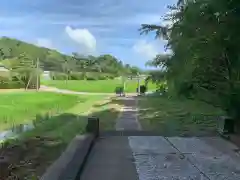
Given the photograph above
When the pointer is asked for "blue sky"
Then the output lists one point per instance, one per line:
(86, 26)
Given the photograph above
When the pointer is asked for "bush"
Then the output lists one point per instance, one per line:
(77, 76)
(231, 102)
(11, 84)
(119, 90)
(143, 89)
(91, 78)
(102, 78)
(110, 76)
(58, 76)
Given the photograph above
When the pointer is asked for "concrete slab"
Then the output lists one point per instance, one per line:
(156, 159)
(216, 167)
(150, 144)
(222, 145)
(165, 167)
(192, 145)
(128, 119)
(110, 159)
(212, 156)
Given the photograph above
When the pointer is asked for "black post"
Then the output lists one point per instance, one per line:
(93, 126)
(226, 125)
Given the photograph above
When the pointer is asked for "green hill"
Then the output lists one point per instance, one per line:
(52, 60)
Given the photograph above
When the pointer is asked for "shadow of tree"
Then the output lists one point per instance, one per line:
(118, 100)
(34, 150)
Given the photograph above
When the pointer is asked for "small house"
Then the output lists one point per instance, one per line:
(3, 68)
(46, 75)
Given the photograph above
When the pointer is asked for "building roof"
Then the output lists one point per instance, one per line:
(2, 67)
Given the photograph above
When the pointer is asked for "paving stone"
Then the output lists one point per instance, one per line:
(193, 145)
(150, 144)
(165, 167)
(216, 164)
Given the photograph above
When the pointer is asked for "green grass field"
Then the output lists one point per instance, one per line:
(22, 107)
(178, 117)
(101, 86)
(51, 135)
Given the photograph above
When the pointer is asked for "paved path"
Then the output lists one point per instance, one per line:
(64, 91)
(110, 159)
(144, 157)
(128, 119)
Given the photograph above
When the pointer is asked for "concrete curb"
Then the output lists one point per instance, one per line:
(72, 161)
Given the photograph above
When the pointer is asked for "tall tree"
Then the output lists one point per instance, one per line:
(204, 39)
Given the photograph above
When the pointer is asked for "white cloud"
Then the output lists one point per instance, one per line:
(83, 37)
(43, 42)
(145, 49)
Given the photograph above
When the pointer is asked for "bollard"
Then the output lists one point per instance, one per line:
(225, 125)
(93, 126)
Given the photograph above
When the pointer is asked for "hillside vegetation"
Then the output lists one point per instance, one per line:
(51, 60)
(101, 86)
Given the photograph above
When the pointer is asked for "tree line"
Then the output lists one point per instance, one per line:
(203, 59)
(13, 51)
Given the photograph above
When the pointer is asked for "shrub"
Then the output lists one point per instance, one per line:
(143, 89)
(119, 90)
(91, 78)
(58, 76)
(231, 102)
(77, 76)
(109, 76)
(102, 77)
(11, 84)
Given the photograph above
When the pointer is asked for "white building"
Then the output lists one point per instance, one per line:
(3, 68)
(46, 75)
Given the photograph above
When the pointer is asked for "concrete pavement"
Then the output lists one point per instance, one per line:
(110, 159)
(128, 119)
(159, 158)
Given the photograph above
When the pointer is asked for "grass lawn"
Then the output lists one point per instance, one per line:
(35, 150)
(22, 107)
(101, 86)
(178, 117)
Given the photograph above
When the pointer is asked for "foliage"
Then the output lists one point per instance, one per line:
(178, 116)
(97, 86)
(51, 135)
(204, 43)
(119, 90)
(11, 84)
(143, 89)
(52, 60)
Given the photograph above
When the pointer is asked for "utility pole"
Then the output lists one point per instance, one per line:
(37, 72)
(66, 70)
(138, 78)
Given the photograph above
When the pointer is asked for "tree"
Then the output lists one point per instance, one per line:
(204, 42)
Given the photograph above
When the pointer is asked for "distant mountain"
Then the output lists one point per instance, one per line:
(52, 60)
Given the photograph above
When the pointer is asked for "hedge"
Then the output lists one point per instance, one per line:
(11, 85)
(81, 76)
